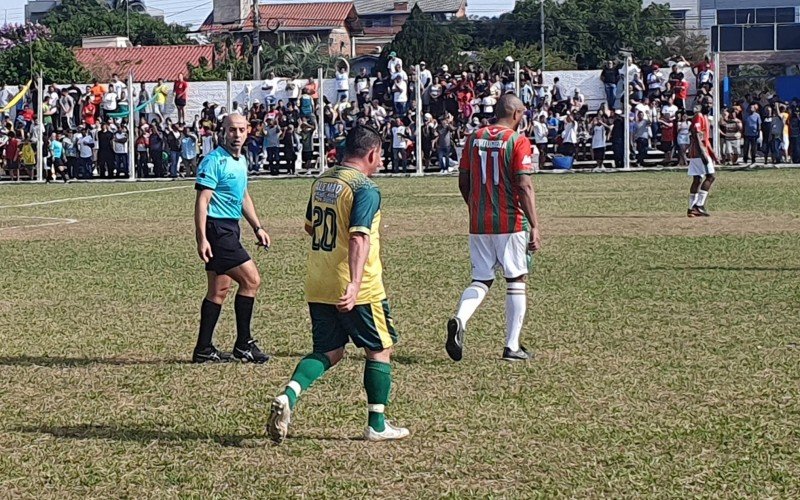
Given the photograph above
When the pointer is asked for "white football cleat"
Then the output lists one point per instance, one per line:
(279, 417)
(391, 433)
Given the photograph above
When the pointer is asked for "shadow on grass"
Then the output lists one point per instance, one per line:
(287, 354)
(59, 361)
(317, 437)
(723, 268)
(138, 434)
(410, 359)
(654, 216)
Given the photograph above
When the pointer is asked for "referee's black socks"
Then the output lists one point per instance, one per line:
(244, 313)
(209, 314)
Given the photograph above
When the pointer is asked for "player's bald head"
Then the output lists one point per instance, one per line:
(508, 105)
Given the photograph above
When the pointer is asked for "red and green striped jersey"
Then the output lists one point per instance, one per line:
(493, 157)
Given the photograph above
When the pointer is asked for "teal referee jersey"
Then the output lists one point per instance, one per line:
(227, 177)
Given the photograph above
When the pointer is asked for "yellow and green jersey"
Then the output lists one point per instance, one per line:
(343, 201)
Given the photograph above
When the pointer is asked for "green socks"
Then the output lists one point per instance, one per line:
(378, 383)
(307, 371)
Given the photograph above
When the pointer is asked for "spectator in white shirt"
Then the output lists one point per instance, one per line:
(569, 136)
(85, 151)
(269, 87)
(362, 88)
(669, 110)
(400, 95)
(399, 147)
(109, 102)
(117, 84)
(121, 151)
(395, 64)
(425, 76)
(342, 84)
(540, 131)
(5, 97)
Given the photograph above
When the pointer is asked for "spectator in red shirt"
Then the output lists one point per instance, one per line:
(89, 112)
(181, 88)
(12, 155)
(681, 89)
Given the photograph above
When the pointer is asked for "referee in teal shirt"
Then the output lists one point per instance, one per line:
(222, 199)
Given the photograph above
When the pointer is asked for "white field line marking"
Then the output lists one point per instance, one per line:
(94, 197)
(59, 221)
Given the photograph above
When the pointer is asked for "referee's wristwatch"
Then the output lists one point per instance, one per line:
(259, 228)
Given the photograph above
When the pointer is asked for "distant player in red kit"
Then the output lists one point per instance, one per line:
(495, 183)
(701, 163)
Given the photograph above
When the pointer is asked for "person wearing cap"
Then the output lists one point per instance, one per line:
(399, 94)
(425, 76)
(393, 63)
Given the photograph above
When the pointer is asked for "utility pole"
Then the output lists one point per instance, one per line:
(127, 19)
(541, 28)
(256, 42)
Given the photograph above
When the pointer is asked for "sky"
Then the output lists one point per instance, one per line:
(193, 12)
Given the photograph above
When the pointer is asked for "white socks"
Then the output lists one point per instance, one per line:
(701, 198)
(516, 304)
(470, 300)
(692, 200)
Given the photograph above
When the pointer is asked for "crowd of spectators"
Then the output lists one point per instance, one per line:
(84, 132)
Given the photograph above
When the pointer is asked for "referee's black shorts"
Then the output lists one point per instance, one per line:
(223, 236)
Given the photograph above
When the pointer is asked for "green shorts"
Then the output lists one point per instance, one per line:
(368, 326)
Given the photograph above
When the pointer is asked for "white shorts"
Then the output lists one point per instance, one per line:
(697, 169)
(506, 252)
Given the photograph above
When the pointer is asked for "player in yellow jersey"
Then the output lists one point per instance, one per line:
(344, 286)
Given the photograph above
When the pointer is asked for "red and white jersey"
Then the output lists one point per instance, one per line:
(493, 158)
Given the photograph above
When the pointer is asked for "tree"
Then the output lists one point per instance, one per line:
(73, 20)
(229, 57)
(527, 54)
(423, 39)
(26, 50)
(589, 30)
(296, 59)
(692, 46)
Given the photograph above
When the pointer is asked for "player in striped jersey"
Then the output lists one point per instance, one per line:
(495, 183)
(701, 163)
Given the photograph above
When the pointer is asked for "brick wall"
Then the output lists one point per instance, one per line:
(339, 43)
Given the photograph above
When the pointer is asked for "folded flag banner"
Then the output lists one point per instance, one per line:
(13, 102)
(123, 114)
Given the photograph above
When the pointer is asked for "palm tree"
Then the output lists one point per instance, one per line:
(296, 59)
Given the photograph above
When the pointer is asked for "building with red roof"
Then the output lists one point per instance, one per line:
(333, 23)
(147, 63)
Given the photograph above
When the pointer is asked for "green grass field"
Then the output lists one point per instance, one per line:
(667, 350)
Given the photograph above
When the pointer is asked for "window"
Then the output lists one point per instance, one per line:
(377, 22)
(789, 37)
(726, 16)
(784, 15)
(730, 39)
(755, 16)
(759, 38)
(765, 16)
(679, 17)
(745, 16)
